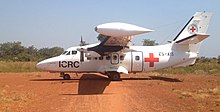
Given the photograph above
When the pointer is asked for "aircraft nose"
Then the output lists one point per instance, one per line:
(41, 65)
(48, 64)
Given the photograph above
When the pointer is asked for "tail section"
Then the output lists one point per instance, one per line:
(190, 38)
(193, 39)
(198, 24)
(194, 32)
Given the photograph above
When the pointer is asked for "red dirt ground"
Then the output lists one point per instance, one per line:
(44, 92)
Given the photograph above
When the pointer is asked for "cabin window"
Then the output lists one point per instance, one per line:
(74, 52)
(88, 58)
(122, 57)
(95, 58)
(137, 58)
(108, 57)
(101, 58)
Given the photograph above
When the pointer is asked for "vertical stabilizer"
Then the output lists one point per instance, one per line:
(190, 38)
(198, 24)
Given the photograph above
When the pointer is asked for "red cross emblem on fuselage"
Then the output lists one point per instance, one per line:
(151, 60)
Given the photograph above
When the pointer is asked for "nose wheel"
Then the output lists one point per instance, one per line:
(65, 76)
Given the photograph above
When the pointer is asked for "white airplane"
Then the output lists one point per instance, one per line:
(115, 54)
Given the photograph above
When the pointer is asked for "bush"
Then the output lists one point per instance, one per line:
(202, 66)
(14, 51)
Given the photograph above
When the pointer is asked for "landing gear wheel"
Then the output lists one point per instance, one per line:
(109, 76)
(66, 76)
(114, 76)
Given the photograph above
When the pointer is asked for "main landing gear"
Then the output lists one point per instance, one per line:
(65, 76)
(114, 76)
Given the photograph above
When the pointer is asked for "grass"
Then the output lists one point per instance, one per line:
(210, 66)
(18, 66)
(213, 91)
(201, 94)
(11, 96)
(8, 98)
(197, 68)
(11, 99)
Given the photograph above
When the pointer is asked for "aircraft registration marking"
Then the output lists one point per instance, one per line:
(166, 54)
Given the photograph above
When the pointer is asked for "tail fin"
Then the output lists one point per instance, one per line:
(189, 39)
(198, 24)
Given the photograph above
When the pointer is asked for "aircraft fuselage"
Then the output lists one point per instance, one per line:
(136, 59)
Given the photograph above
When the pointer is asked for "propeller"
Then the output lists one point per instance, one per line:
(82, 43)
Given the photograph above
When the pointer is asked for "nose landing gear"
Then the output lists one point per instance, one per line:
(65, 76)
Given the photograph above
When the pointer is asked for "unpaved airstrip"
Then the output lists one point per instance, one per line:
(47, 92)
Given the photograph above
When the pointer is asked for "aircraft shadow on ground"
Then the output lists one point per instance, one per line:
(91, 77)
(89, 84)
(155, 78)
(92, 84)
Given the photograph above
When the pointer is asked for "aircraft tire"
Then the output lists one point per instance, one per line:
(66, 76)
(109, 76)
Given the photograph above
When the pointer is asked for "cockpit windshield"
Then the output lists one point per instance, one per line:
(64, 52)
(69, 52)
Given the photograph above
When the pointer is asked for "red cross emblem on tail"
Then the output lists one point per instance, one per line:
(151, 60)
(192, 28)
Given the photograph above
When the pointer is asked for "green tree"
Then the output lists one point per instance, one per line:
(14, 51)
(148, 42)
(49, 52)
(10, 50)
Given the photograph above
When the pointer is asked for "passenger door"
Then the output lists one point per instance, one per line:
(137, 61)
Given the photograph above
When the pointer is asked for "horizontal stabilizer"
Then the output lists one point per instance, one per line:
(193, 39)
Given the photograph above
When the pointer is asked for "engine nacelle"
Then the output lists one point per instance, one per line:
(117, 29)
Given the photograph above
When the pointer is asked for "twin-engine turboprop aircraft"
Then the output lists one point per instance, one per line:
(115, 54)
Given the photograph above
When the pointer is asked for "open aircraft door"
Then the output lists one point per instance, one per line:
(137, 61)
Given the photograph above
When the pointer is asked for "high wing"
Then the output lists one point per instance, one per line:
(116, 36)
(111, 44)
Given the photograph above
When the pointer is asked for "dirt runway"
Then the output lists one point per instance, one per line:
(46, 92)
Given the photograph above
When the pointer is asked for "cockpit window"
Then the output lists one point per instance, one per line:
(64, 52)
(74, 52)
(68, 53)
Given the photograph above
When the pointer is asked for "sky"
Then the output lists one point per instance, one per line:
(50, 23)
